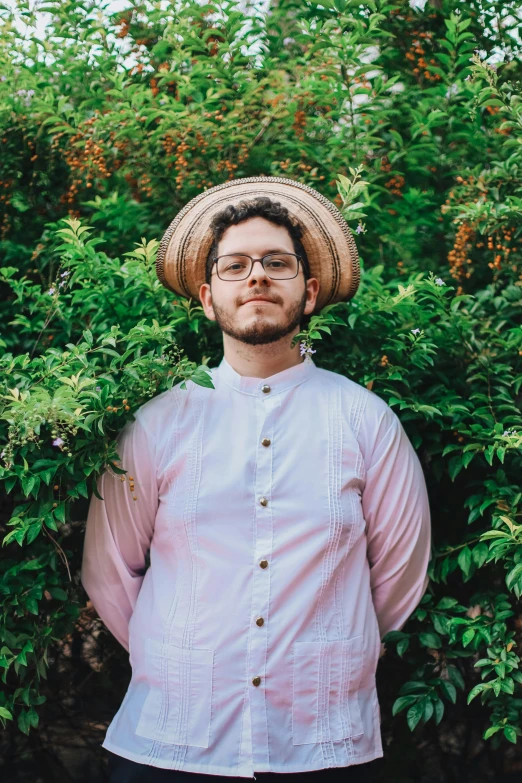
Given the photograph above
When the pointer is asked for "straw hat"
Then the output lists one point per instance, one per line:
(327, 238)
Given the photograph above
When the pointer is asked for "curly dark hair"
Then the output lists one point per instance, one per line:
(260, 206)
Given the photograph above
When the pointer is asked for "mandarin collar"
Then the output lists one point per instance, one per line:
(274, 384)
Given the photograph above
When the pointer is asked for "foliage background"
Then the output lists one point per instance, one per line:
(109, 123)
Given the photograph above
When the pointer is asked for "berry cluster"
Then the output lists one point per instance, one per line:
(395, 184)
(84, 155)
(299, 123)
(507, 235)
(458, 257)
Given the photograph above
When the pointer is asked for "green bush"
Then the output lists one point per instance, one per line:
(108, 126)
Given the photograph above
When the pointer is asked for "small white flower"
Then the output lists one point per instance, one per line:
(415, 331)
(58, 442)
(306, 349)
(439, 281)
(51, 291)
(359, 229)
(452, 90)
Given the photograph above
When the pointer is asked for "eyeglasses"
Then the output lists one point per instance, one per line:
(278, 266)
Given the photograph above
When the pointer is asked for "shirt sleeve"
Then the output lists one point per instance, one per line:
(119, 530)
(398, 525)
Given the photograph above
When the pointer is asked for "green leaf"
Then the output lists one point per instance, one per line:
(514, 575)
(449, 690)
(468, 636)
(482, 686)
(81, 488)
(510, 734)
(428, 711)
(402, 646)
(455, 676)
(10, 482)
(441, 624)
(32, 605)
(455, 466)
(414, 714)
(439, 711)
(397, 136)
(59, 512)
(32, 718)
(402, 702)
(464, 559)
(430, 639)
(479, 553)
(492, 730)
(51, 524)
(488, 454)
(446, 603)
(28, 483)
(202, 377)
(58, 593)
(23, 721)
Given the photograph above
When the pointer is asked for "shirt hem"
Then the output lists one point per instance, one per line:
(212, 769)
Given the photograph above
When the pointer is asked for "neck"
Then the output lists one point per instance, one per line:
(261, 361)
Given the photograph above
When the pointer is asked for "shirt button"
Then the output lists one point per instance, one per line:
(264, 563)
(260, 621)
(265, 388)
(266, 441)
(263, 501)
(256, 680)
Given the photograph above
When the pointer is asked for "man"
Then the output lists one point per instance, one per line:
(285, 510)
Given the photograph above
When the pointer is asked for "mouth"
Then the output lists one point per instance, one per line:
(261, 300)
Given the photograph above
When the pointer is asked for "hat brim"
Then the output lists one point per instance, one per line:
(327, 238)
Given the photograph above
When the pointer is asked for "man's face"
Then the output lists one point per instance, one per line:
(227, 301)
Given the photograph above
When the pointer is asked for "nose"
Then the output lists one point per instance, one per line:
(262, 273)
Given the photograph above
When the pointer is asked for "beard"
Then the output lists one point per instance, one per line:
(261, 332)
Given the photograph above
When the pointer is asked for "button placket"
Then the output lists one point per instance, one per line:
(259, 658)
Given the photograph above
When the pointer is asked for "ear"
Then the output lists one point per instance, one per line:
(205, 297)
(312, 291)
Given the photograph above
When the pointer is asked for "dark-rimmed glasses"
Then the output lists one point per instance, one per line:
(238, 266)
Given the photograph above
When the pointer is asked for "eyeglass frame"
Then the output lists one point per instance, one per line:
(253, 261)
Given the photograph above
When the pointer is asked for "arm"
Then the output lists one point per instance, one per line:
(119, 531)
(397, 513)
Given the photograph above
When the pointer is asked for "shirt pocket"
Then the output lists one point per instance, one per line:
(325, 699)
(177, 708)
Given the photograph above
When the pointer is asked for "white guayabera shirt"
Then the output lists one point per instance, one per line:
(289, 530)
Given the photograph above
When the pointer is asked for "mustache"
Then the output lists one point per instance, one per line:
(255, 294)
